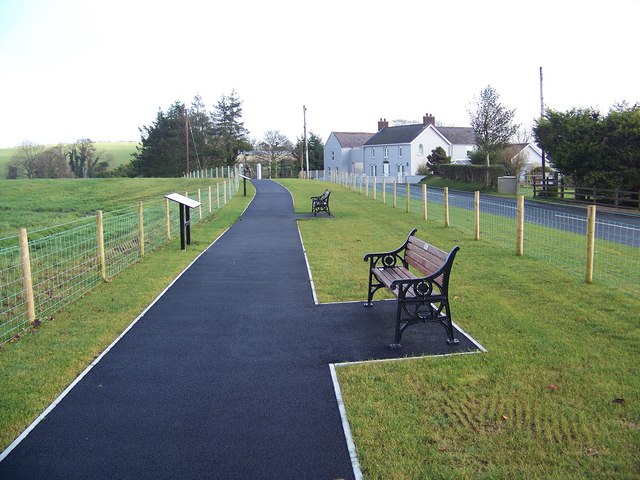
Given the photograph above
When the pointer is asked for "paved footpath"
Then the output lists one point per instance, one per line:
(226, 375)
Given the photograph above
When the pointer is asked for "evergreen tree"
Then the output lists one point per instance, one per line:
(316, 152)
(229, 133)
(162, 149)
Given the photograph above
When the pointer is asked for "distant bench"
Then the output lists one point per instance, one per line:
(321, 203)
(420, 298)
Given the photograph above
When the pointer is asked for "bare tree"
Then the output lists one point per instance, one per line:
(26, 156)
(52, 163)
(275, 148)
(492, 123)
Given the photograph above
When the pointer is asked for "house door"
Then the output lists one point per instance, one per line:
(400, 172)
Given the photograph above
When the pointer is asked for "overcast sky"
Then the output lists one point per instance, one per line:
(74, 69)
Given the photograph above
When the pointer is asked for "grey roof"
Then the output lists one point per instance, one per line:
(352, 139)
(395, 135)
(458, 135)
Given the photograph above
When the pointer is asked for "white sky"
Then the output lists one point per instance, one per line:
(74, 69)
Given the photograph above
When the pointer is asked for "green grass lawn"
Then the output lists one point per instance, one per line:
(35, 204)
(556, 396)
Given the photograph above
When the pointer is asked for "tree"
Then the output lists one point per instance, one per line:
(228, 129)
(436, 158)
(315, 146)
(593, 149)
(162, 149)
(52, 163)
(492, 123)
(201, 141)
(275, 148)
(85, 161)
(25, 157)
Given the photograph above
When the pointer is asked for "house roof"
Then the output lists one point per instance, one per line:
(352, 139)
(408, 133)
(395, 135)
(458, 135)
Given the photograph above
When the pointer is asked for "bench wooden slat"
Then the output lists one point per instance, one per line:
(430, 250)
(424, 265)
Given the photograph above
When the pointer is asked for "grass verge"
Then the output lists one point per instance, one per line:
(37, 368)
(556, 396)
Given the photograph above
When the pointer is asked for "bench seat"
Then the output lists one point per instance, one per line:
(422, 296)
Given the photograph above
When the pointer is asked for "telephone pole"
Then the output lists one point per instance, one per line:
(544, 175)
(306, 145)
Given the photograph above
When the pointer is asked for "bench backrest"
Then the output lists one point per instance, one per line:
(429, 260)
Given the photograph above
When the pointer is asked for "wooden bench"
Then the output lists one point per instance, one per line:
(321, 203)
(421, 298)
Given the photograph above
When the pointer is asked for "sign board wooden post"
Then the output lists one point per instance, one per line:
(186, 204)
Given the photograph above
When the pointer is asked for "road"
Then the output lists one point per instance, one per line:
(619, 227)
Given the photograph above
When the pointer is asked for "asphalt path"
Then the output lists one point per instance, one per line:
(227, 375)
(615, 226)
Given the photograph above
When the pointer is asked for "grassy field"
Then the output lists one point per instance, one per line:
(35, 204)
(121, 152)
(556, 396)
(38, 367)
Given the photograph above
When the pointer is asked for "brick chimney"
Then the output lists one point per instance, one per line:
(382, 123)
(429, 119)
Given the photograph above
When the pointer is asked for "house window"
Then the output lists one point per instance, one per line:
(385, 169)
(373, 153)
(420, 149)
(333, 156)
(386, 152)
(399, 152)
(373, 168)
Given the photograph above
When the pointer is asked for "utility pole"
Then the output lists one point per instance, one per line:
(544, 175)
(186, 130)
(306, 145)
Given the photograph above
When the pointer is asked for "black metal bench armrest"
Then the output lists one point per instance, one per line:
(389, 259)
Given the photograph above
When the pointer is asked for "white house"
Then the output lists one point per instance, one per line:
(399, 151)
(343, 152)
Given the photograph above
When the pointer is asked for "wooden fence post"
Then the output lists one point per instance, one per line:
(27, 284)
(424, 201)
(591, 242)
(218, 193)
(408, 195)
(375, 187)
(141, 228)
(209, 198)
(446, 206)
(199, 206)
(167, 218)
(476, 209)
(384, 190)
(366, 189)
(395, 193)
(100, 244)
(520, 227)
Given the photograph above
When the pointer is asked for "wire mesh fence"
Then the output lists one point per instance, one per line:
(550, 235)
(62, 263)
